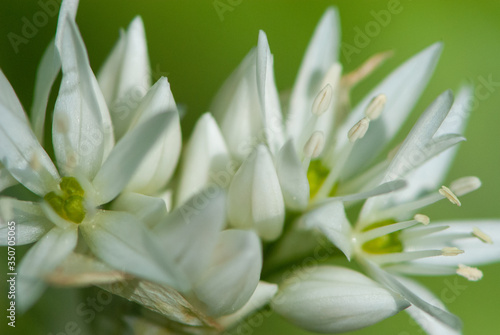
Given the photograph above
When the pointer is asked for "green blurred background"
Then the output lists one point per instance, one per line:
(196, 48)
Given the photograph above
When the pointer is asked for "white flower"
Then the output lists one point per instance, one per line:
(387, 248)
(318, 151)
(333, 299)
(94, 171)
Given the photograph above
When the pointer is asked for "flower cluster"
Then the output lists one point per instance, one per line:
(263, 181)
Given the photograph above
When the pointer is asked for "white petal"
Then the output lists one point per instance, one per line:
(321, 54)
(332, 299)
(431, 175)
(6, 179)
(205, 161)
(268, 96)
(233, 273)
(68, 8)
(237, 109)
(82, 133)
(427, 322)
(159, 163)
(292, 177)
(40, 260)
(331, 220)
(126, 156)
(402, 88)
(394, 284)
(121, 241)
(189, 233)
(476, 252)
(255, 199)
(410, 153)
(260, 297)
(29, 221)
(20, 152)
(47, 72)
(125, 76)
(149, 210)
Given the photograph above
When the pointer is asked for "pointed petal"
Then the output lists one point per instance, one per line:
(149, 210)
(255, 199)
(47, 72)
(321, 54)
(189, 233)
(68, 9)
(394, 284)
(205, 161)
(20, 152)
(402, 88)
(30, 222)
(268, 96)
(332, 299)
(233, 274)
(122, 242)
(476, 252)
(159, 163)
(236, 108)
(126, 156)
(427, 322)
(40, 260)
(431, 174)
(125, 76)
(331, 220)
(82, 130)
(260, 297)
(292, 178)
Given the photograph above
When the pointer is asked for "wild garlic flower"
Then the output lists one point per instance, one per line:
(92, 171)
(390, 239)
(316, 150)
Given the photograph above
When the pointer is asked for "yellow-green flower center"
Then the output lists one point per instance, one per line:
(384, 244)
(316, 175)
(69, 204)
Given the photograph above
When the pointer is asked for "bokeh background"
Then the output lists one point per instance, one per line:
(197, 46)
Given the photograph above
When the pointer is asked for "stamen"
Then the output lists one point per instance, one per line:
(446, 192)
(385, 230)
(393, 152)
(365, 69)
(375, 107)
(358, 130)
(314, 146)
(322, 100)
(451, 251)
(481, 235)
(472, 274)
(423, 219)
(465, 185)
(404, 256)
(414, 233)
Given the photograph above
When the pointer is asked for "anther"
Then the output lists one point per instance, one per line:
(446, 192)
(314, 146)
(482, 235)
(451, 251)
(358, 130)
(423, 219)
(465, 185)
(61, 124)
(472, 274)
(35, 162)
(375, 107)
(322, 100)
